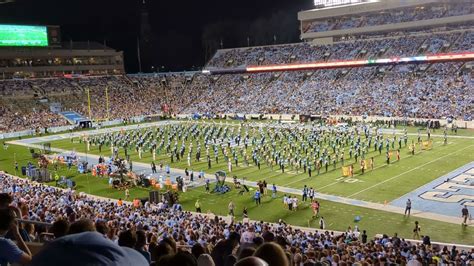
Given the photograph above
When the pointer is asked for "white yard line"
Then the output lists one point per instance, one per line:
(412, 169)
(344, 200)
(331, 184)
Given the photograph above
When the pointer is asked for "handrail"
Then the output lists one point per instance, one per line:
(35, 222)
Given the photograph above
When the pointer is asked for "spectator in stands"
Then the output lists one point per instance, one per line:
(60, 228)
(180, 258)
(140, 245)
(127, 238)
(205, 260)
(88, 248)
(80, 226)
(161, 250)
(273, 254)
(251, 261)
(176, 230)
(9, 251)
(224, 248)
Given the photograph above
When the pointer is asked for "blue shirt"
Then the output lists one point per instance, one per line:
(9, 252)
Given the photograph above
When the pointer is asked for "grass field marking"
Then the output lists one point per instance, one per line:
(338, 181)
(412, 169)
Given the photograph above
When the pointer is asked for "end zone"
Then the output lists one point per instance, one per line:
(446, 195)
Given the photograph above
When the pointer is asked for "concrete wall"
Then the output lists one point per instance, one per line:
(17, 134)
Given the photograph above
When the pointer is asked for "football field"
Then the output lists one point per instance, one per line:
(386, 182)
(383, 185)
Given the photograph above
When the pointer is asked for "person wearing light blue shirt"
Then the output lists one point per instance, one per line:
(9, 251)
(257, 197)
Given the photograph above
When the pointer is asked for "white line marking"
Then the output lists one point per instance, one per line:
(420, 166)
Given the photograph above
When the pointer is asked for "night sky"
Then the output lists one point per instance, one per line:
(175, 34)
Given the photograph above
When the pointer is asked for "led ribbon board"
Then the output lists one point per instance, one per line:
(367, 62)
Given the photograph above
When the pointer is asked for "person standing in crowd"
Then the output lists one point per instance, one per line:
(408, 207)
(274, 191)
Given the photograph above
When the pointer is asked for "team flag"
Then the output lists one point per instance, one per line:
(346, 171)
(426, 145)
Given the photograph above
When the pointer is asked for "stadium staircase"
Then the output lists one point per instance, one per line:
(188, 83)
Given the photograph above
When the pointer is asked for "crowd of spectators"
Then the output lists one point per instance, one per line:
(400, 45)
(415, 91)
(429, 91)
(391, 16)
(26, 103)
(165, 234)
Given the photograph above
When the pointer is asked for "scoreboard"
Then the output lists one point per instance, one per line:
(19, 35)
(29, 36)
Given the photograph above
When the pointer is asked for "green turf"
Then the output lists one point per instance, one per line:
(384, 183)
(338, 216)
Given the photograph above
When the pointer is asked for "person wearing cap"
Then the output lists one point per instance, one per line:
(87, 248)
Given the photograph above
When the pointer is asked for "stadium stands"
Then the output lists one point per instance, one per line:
(398, 15)
(401, 90)
(360, 48)
(159, 231)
